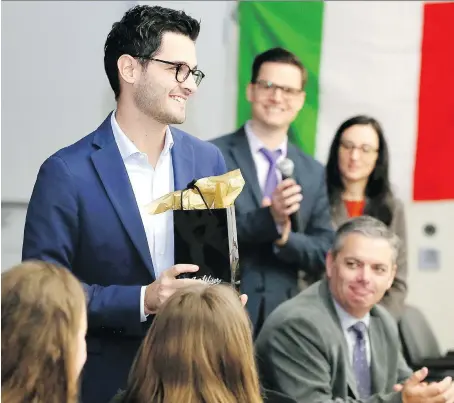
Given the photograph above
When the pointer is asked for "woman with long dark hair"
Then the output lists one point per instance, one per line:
(357, 175)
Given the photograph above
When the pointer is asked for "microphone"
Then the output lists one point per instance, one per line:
(286, 168)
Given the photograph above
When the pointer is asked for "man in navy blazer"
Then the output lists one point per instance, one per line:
(276, 257)
(87, 211)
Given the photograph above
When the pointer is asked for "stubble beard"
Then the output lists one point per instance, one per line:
(152, 105)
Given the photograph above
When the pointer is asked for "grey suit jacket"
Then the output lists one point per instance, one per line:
(303, 353)
(394, 299)
(268, 271)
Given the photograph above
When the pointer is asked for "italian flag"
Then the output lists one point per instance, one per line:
(391, 60)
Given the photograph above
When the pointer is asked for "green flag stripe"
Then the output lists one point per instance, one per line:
(296, 26)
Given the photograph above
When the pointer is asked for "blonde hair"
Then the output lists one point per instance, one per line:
(199, 349)
(42, 307)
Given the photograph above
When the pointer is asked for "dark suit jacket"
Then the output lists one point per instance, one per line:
(303, 353)
(394, 299)
(83, 215)
(269, 272)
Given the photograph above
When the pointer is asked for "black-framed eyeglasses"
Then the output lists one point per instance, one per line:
(182, 70)
(363, 148)
(271, 87)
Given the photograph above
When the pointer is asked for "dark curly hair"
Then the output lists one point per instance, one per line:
(378, 188)
(139, 34)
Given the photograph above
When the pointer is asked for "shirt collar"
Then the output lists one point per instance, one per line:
(347, 320)
(127, 147)
(255, 144)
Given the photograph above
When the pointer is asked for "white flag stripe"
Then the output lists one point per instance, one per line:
(370, 65)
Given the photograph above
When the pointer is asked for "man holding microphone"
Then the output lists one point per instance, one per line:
(283, 218)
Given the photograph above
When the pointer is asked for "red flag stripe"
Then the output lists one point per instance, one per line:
(434, 165)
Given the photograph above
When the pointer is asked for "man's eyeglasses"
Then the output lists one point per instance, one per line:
(363, 148)
(268, 86)
(182, 70)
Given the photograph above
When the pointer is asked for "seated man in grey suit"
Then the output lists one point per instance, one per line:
(273, 253)
(332, 343)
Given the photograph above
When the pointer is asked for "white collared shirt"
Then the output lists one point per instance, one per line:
(261, 163)
(347, 321)
(149, 184)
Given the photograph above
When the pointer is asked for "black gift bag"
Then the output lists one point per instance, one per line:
(208, 239)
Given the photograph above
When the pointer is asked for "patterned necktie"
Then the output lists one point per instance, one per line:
(271, 178)
(360, 365)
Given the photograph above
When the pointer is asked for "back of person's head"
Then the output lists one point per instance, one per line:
(199, 349)
(139, 34)
(43, 334)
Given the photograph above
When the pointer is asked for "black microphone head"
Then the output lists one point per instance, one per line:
(286, 166)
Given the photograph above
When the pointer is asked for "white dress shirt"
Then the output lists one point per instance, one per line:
(261, 163)
(149, 184)
(346, 322)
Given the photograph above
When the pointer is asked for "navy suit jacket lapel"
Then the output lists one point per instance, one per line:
(112, 172)
(183, 160)
(243, 157)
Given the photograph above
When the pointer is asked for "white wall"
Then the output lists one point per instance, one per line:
(54, 91)
(432, 290)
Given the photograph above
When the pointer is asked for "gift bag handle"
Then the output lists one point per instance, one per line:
(192, 185)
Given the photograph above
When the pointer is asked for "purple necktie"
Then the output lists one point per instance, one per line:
(360, 364)
(271, 178)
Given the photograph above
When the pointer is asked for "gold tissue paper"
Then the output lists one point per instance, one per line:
(218, 191)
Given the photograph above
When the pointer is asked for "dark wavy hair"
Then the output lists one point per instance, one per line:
(139, 34)
(378, 188)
